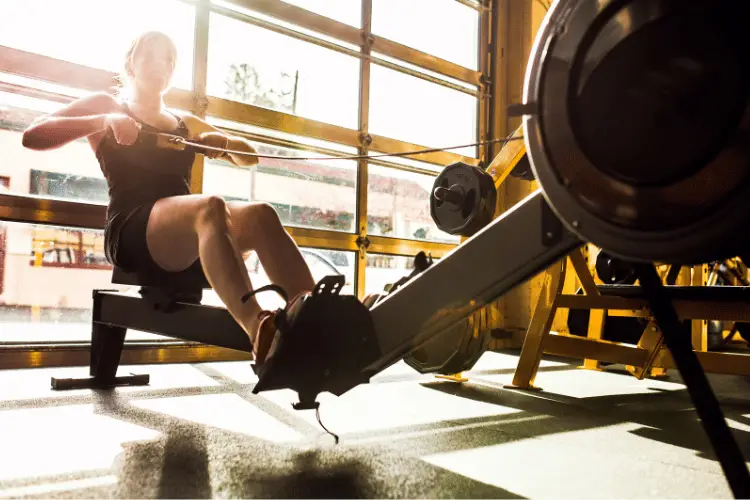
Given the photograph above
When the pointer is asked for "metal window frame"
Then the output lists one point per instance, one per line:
(73, 214)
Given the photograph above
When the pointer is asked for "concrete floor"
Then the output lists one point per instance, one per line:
(197, 431)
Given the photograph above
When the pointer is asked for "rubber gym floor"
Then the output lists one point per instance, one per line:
(198, 431)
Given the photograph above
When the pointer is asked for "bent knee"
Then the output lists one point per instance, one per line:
(213, 210)
(258, 220)
(262, 219)
(265, 215)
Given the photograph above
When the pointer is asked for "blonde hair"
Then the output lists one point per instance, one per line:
(142, 39)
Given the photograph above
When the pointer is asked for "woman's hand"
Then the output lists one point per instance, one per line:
(124, 128)
(214, 140)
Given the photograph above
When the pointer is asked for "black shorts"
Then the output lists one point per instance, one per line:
(125, 241)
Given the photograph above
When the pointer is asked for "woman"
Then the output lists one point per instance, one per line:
(153, 222)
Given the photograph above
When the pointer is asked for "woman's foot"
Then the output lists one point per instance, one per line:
(267, 333)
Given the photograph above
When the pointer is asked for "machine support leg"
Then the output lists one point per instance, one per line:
(106, 347)
(679, 343)
(541, 322)
(597, 317)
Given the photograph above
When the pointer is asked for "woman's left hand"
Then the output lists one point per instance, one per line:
(214, 140)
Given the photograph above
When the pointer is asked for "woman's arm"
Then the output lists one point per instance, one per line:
(199, 128)
(81, 118)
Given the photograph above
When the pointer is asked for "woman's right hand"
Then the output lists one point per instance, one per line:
(124, 128)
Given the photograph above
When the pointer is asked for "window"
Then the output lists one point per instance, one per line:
(77, 187)
(398, 205)
(384, 270)
(51, 301)
(260, 67)
(321, 262)
(410, 109)
(74, 249)
(443, 28)
(97, 33)
(70, 172)
(312, 194)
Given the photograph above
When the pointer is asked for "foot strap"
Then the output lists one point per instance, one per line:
(270, 287)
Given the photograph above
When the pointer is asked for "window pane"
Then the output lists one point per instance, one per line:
(398, 205)
(321, 262)
(257, 66)
(70, 172)
(313, 194)
(345, 11)
(410, 109)
(444, 28)
(277, 134)
(47, 275)
(383, 270)
(97, 33)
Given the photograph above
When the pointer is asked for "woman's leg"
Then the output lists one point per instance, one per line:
(183, 228)
(256, 226)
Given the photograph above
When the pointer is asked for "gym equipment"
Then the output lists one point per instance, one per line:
(472, 275)
(637, 126)
(421, 262)
(523, 169)
(463, 199)
(614, 271)
(169, 304)
(637, 131)
(622, 329)
(637, 123)
(455, 352)
(339, 325)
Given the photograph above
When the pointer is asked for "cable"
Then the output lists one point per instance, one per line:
(175, 139)
(317, 415)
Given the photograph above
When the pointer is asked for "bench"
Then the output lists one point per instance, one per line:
(168, 304)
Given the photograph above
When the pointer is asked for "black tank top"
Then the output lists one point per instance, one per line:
(143, 173)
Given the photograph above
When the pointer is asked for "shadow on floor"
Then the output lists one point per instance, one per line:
(666, 416)
(346, 473)
(191, 460)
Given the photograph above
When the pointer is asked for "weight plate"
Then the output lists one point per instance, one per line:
(614, 271)
(523, 170)
(455, 351)
(463, 199)
(635, 149)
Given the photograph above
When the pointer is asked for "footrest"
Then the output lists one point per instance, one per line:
(323, 347)
(67, 384)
